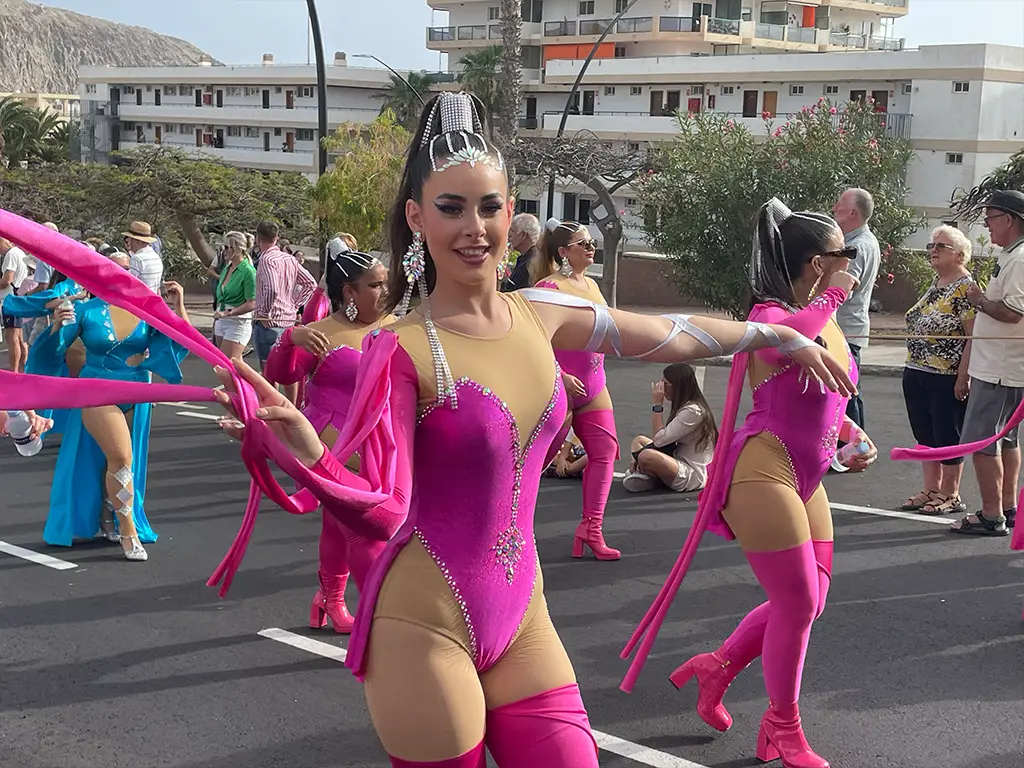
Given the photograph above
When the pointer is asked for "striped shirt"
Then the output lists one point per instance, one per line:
(282, 285)
(147, 265)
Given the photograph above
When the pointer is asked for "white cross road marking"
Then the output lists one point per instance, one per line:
(36, 557)
(893, 513)
(635, 752)
(207, 416)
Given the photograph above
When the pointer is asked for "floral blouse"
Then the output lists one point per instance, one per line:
(941, 311)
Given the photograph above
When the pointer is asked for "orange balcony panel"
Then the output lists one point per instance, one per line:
(575, 52)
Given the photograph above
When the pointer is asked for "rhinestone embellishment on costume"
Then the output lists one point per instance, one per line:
(509, 550)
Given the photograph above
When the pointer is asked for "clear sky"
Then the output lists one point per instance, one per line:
(241, 31)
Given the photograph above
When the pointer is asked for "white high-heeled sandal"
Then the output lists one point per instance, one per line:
(137, 553)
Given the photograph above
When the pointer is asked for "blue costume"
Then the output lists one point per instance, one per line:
(78, 490)
(44, 364)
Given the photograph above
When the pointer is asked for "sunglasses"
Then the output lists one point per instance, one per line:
(849, 252)
(939, 247)
(588, 245)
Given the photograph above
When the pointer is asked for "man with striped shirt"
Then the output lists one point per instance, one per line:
(282, 286)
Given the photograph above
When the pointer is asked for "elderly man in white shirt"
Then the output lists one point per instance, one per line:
(146, 263)
(13, 272)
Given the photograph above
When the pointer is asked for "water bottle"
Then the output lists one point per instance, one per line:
(858, 447)
(20, 428)
(67, 304)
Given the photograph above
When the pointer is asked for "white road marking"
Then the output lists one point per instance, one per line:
(635, 752)
(180, 404)
(303, 643)
(894, 513)
(194, 415)
(36, 557)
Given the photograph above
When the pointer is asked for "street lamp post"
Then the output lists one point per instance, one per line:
(321, 85)
(574, 91)
(391, 70)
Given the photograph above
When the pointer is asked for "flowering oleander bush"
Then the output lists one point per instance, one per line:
(701, 203)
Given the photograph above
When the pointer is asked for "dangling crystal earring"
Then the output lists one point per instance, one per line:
(414, 266)
(566, 268)
(350, 311)
(503, 270)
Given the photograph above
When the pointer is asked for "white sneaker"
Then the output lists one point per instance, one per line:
(637, 482)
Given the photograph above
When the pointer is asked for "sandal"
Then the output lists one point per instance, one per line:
(981, 526)
(922, 498)
(941, 504)
(1011, 516)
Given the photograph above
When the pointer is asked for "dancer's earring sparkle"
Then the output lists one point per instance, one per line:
(566, 268)
(351, 312)
(414, 266)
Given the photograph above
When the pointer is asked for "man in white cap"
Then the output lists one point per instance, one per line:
(146, 263)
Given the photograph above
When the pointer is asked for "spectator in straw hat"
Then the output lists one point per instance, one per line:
(146, 262)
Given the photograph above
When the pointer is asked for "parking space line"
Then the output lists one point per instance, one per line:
(893, 513)
(36, 557)
(635, 752)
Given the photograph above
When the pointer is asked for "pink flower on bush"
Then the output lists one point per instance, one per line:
(730, 124)
(821, 100)
(888, 250)
(833, 111)
(842, 131)
(873, 143)
(777, 133)
(890, 278)
(766, 115)
(871, 100)
(650, 171)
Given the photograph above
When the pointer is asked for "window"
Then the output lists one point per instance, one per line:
(695, 90)
(170, 128)
(170, 90)
(609, 90)
(128, 125)
(306, 91)
(252, 133)
(633, 146)
(234, 130)
(636, 90)
(586, 7)
(796, 90)
(961, 87)
(128, 90)
(831, 90)
(185, 128)
(233, 90)
(278, 89)
(251, 91)
(620, 5)
(90, 88)
(494, 13)
(728, 90)
(954, 158)
(620, 51)
(529, 55)
(185, 90)
(908, 88)
(304, 134)
(528, 206)
(277, 131)
(533, 11)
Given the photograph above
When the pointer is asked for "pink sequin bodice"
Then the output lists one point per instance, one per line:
(330, 387)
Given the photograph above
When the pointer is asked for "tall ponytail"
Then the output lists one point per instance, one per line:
(557, 234)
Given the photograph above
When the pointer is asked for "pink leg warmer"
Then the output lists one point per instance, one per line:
(333, 546)
(596, 430)
(550, 728)
(744, 644)
(475, 758)
(790, 578)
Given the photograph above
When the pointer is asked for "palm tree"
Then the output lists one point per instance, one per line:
(404, 102)
(15, 128)
(479, 73)
(511, 92)
(57, 145)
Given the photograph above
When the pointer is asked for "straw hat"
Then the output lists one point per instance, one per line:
(140, 230)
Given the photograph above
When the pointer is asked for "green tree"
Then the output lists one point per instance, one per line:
(479, 73)
(702, 195)
(968, 205)
(356, 194)
(31, 135)
(402, 100)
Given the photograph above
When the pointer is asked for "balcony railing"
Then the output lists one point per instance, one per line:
(724, 26)
(678, 24)
(528, 123)
(802, 34)
(559, 28)
(594, 26)
(770, 31)
(494, 32)
(847, 40)
(638, 24)
(474, 32)
(440, 34)
(884, 44)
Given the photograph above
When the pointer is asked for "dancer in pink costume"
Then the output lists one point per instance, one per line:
(765, 484)
(564, 254)
(452, 638)
(325, 356)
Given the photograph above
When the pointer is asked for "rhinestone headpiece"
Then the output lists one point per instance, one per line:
(454, 113)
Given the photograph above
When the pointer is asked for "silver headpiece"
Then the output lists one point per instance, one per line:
(454, 113)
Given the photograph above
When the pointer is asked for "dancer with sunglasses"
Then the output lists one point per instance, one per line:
(456, 412)
(566, 250)
(325, 356)
(765, 485)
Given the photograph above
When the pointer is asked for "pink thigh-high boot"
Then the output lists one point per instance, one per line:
(715, 671)
(329, 600)
(549, 729)
(475, 758)
(596, 430)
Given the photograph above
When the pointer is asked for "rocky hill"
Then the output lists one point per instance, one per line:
(42, 47)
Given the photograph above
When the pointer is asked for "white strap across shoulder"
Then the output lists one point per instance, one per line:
(604, 325)
(682, 324)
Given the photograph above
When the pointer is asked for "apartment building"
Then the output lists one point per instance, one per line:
(961, 106)
(260, 117)
(63, 105)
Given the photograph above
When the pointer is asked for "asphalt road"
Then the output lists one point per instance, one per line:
(918, 661)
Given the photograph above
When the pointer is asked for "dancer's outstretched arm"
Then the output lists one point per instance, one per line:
(289, 362)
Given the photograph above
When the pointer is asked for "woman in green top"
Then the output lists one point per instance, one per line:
(235, 297)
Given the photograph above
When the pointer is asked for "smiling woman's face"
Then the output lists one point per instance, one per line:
(464, 214)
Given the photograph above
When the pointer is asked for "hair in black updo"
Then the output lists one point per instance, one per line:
(344, 267)
(451, 127)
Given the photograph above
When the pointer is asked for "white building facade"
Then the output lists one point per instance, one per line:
(961, 106)
(258, 117)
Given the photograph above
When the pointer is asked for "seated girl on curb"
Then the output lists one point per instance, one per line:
(571, 459)
(679, 454)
